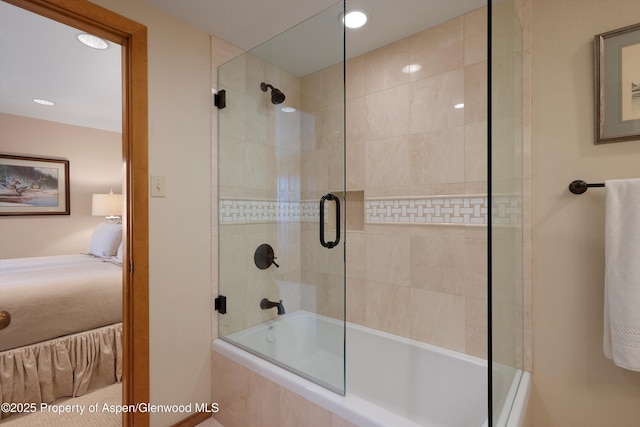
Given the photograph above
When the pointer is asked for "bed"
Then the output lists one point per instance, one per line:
(65, 335)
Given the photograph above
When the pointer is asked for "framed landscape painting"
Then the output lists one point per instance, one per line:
(617, 85)
(33, 186)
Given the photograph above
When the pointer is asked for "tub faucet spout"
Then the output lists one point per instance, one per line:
(265, 304)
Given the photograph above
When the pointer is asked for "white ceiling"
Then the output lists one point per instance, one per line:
(248, 23)
(41, 58)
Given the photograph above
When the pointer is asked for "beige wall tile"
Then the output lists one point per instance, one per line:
(337, 421)
(356, 301)
(231, 120)
(475, 268)
(332, 130)
(231, 389)
(438, 49)
(383, 66)
(263, 402)
(357, 124)
(261, 168)
(286, 137)
(388, 259)
(475, 93)
(297, 411)
(389, 308)
(330, 294)
(475, 36)
(233, 73)
(313, 89)
(356, 164)
(355, 77)
(476, 327)
(260, 118)
(324, 87)
(248, 399)
(313, 256)
(356, 249)
(438, 318)
(232, 170)
(314, 171)
(258, 71)
(475, 152)
(438, 261)
(234, 257)
(386, 162)
(356, 135)
(290, 85)
(432, 101)
(388, 112)
(438, 156)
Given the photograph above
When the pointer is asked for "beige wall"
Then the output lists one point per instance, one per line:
(180, 224)
(95, 166)
(573, 383)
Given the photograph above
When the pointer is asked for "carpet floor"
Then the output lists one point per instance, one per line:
(49, 417)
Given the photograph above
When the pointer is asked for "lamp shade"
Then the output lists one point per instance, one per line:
(106, 205)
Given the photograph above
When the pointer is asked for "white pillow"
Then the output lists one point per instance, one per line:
(119, 254)
(105, 239)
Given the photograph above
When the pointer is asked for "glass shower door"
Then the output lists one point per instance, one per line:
(281, 208)
(506, 201)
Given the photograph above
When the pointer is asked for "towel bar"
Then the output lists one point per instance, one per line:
(578, 186)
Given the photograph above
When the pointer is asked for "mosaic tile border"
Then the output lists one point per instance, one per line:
(248, 211)
(464, 209)
(461, 209)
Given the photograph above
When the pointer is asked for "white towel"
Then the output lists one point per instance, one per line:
(622, 273)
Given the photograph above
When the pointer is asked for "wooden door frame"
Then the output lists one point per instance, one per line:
(132, 36)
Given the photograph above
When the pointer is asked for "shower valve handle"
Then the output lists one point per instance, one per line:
(264, 257)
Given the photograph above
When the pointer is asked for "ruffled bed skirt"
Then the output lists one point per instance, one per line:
(64, 367)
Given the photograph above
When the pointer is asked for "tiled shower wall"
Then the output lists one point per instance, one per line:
(276, 166)
(405, 144)
(406, 141)
(399, 276)
(259, 146)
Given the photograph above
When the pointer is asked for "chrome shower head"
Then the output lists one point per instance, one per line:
(277, 97)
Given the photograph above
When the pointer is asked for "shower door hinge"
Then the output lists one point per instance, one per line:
(220, 99)
(220, 304)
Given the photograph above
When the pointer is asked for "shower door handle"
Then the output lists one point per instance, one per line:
(329, 197)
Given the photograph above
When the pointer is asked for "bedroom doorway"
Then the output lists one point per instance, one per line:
(132, 37)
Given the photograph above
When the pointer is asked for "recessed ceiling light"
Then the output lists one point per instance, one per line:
(411, 68)
(92, 41)
(459, 106)
(355, 19)
(43, 101)
(288, 109)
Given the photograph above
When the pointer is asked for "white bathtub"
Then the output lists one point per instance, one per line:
(391, 381)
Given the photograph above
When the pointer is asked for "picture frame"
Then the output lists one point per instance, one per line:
(617, 85)
(34, 186)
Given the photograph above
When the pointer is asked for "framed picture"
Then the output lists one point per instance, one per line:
(617, 85)
(33, 186)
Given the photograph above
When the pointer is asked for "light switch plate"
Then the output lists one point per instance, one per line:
(157, 186)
